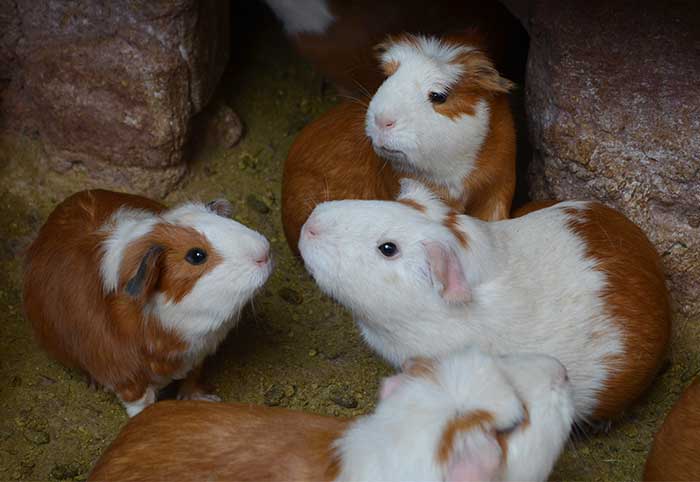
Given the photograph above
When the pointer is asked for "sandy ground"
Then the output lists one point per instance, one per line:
(293, 348)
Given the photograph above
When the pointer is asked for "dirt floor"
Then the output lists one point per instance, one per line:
(293, 348)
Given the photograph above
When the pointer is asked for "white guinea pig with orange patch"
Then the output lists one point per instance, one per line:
(137, 295)
(577, 281)
(469, 416)
(442, 115)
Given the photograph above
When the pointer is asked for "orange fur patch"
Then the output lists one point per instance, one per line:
(187, 440)
(451, 222)
(476, 420)
(413, 204)
(674, 454)
(389, 68)
(635, 298)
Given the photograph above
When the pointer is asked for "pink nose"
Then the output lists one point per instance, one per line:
(383, 122)
(311, 229)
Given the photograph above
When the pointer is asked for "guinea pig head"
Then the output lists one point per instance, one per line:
(431, 115)
(388, 260)
(193, 266)
(457, 418)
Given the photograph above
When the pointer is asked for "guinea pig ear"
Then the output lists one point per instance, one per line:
(389, 385)
(222, 207)
(446, 269)
(478, 459)
(146, 274)
(481, 72)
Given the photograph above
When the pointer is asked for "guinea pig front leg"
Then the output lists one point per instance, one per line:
(136, 397)
(193, 388)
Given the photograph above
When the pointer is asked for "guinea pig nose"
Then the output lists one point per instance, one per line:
(384, 122)
(311, 230)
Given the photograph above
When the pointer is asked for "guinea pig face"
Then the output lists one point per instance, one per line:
(200, 266)
(419, 118)
(370, 254)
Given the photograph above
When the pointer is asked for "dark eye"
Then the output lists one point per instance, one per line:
(196, 256)
(388, 249)
(437, 97)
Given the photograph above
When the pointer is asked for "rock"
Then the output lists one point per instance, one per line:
(290, 296)
(224, 126)
(342, 397)
(274, 395)
(257, 204)
(614, 110)
(116, 82)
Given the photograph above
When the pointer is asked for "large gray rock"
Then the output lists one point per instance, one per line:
(613, 101)
(114, 83)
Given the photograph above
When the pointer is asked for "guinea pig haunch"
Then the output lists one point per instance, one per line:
(442, 115)
(137, 295)
(496, 418)
(577, 281)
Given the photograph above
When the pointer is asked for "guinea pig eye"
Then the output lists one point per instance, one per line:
(437, 97)
(196, 256)
(388, 249)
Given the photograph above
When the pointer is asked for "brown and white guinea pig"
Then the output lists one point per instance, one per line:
(675, 454)
(577, 281)
(469, 416)
(137, 295)
(337, 37)
(442, 116)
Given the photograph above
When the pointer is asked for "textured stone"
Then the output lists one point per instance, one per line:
(114, 82)
(613, 105)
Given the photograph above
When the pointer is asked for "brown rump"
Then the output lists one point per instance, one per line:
(74, 320)
(674, 453)
(635, 297)
(184, 441)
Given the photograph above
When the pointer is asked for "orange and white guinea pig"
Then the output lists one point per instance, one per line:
(137, 295)
(337, 37)
(577, 281)
(469, 416)
(675, 454)
(442, 116)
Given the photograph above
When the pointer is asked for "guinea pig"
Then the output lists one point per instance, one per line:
(675, 454)
(577, 281)
(442, 115)
(337, 37)
(469, 416)
(137, 295)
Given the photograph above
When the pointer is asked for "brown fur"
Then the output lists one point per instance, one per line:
(332, 159)
(184, 441)
(532, 207)
(451, 222)
(675, 454)
(476, 420)
(636, 298)
(105, 335)
(413, 204)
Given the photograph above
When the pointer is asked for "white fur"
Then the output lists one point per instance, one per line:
(400, 440)
(303, 16)
(533, 288)
(422, 141)
(137, 406)
(123, 228)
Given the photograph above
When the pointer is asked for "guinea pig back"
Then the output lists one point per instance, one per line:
(675, 453)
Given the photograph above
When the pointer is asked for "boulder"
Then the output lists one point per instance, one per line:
(613, 104)
(112, 84)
